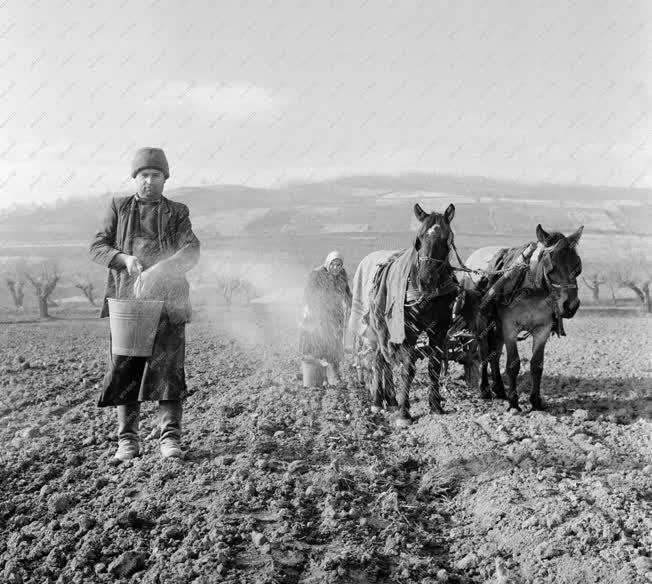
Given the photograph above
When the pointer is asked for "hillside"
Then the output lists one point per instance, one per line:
(301, 222)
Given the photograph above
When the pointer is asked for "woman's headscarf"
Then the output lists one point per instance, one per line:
(321, 278)
(334, 255)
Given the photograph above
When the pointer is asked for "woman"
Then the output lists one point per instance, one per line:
(327, 300)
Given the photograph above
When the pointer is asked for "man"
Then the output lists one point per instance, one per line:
(148, 236)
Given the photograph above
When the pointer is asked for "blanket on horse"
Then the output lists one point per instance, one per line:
(386, 314)
(379, 288)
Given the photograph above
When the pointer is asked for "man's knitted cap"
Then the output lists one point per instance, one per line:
(150, 158)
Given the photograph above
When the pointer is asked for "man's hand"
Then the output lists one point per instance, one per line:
(133, 265)
(152, 283)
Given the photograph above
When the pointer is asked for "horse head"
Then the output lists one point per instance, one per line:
(559, 267)
(432, 245)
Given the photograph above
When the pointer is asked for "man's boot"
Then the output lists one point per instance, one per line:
(170, 412)
(128, 446)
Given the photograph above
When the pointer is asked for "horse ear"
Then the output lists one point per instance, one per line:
(420, 214)
(449, 213)
(542, 235)
(574, 239)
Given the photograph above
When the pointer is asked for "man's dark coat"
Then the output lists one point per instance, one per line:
(178, 243)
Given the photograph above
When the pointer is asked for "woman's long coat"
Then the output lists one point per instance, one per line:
(328, 299)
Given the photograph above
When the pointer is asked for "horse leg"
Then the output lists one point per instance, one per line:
(483, 349)
(485, 392)
(495, 351)
(359, 371)
(389, 392)
(436, 342)
(513, 367)
(356, 363)
(407, 358)
(539, 340)
(377, 376)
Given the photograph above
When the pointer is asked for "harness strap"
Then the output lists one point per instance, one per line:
(413, 297)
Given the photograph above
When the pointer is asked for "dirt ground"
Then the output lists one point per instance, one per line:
(286, 484)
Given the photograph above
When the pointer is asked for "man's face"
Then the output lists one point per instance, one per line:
(150, 182)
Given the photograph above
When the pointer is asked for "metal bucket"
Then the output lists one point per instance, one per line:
(314, 373)
(134, 324)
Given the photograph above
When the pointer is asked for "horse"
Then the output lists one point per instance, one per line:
(467, 314)
(421, 279)
(537, 302)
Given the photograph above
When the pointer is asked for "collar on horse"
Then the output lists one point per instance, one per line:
(538, 275)
(415, 297)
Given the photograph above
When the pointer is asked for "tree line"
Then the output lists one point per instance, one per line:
(43, 275)
(629, 270)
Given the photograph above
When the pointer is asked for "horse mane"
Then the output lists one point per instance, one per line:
(554, 237)
(512, 255)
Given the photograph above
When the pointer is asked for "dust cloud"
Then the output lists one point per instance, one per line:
(255, 299)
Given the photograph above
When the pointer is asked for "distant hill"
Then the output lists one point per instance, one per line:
(301, 222)
(482, 186)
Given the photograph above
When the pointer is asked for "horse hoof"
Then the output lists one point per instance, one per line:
(486, 396)
(392, 409)
(437, 410)
(500, 394)
(402, 422)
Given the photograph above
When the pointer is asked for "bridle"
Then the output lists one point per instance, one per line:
(421, 259)
(441, 265)
(545, 261)
(561, 286)
(553, 288)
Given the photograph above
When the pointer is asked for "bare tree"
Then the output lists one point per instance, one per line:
(593, 279)
(84, 282)
(634, 271)
(16, 288)
(14, 275)
(612, 288)
(642, 290)
(44, 276)
(247, 290)
(230, 284)
(230, 279)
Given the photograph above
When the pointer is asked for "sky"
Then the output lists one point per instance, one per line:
(262, 92)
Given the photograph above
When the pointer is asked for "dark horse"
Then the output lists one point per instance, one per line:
(423, 277)
(536, 302)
